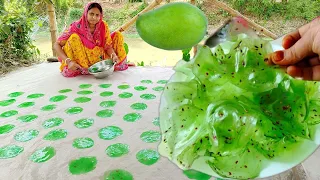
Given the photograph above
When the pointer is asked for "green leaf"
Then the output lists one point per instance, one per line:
(126, 47)
(141, 63)
(6, 29)
(186, 54)
(48, 1)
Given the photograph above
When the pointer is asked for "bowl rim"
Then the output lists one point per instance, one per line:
(89, 69)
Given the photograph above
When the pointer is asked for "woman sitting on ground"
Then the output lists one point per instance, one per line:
(88, 41)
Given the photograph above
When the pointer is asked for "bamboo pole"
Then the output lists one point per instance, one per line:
(236, 13)
(53, 25)
(134, 19)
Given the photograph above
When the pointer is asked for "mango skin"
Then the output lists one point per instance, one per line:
(174, 26)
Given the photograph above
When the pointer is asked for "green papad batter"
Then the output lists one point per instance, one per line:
(229, 106)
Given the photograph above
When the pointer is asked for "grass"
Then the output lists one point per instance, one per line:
(277, 22)
(306, 9)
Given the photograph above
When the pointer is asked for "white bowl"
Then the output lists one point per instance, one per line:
(102, 69)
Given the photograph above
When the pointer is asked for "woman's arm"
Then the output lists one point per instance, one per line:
(112, 54)
(108, 44)
(58, 48)
(60, 53)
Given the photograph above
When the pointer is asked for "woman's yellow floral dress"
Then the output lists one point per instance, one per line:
(86, 57)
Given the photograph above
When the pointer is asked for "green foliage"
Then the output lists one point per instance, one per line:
(15, 26)
(75, 14)
(141, 63)
(74, 11)
(17, 19)
(257, 7)
(118, 16)
(115, 18)
(186, 54)
(306, 9)
(75, 4)
(1, 6)
(62, 6)
(139, 9)
(126, 47)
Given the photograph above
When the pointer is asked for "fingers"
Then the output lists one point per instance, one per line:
(306, 73)
(300, 72)
(301, 49)
(77, 66)
(301, 54)
(290, 39)
(305, 28)
(74, 66)
(314, 61)
(302, 64)
(115, 59)
(73, 69)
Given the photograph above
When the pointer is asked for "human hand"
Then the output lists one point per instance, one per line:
(114, 58)
(301, 54)
(73, 66)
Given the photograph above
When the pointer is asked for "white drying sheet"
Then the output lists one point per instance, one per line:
(45, 79)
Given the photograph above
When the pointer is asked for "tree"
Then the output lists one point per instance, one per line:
(1, 6)
(53, 23)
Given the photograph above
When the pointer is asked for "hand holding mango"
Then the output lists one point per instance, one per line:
(174, 26)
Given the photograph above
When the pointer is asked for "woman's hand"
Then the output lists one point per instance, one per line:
(301, 54)
(73, 66)
(114, 58)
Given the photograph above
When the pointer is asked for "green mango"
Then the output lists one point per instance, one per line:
(174, 26)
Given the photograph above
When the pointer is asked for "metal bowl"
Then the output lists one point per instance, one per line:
(102, 69)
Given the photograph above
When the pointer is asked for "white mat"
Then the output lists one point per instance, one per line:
(45, 79)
